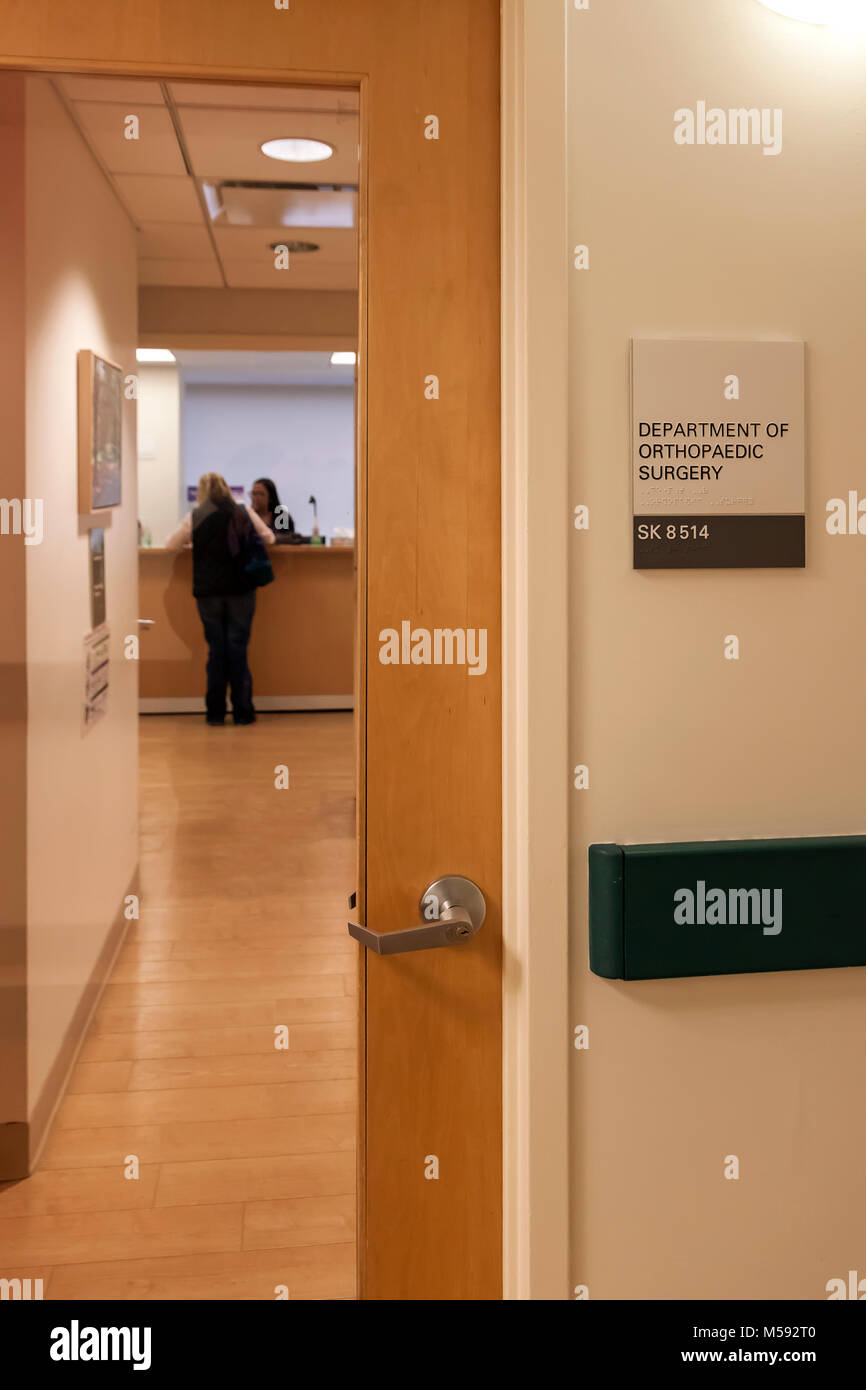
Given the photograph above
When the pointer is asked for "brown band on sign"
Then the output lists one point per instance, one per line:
(719, 542)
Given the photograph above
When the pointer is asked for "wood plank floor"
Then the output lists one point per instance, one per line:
(246, 1153)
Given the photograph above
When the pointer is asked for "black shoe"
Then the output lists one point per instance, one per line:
(250, 719)
(216, 723)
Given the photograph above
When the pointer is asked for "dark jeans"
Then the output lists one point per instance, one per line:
(227, 620)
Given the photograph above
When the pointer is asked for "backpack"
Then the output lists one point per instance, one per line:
(248, 550)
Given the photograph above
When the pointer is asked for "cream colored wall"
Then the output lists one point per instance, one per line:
(159, 481)
(682, 744)
(82, 793)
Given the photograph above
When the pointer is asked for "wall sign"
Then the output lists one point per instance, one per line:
(236, 490)
(97, 576)
(718, 454)
(96, 668)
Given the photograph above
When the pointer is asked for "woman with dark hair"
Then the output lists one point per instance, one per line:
(224, 593)
(267, 505)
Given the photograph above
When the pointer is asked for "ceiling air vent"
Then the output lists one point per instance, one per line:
(296, 248)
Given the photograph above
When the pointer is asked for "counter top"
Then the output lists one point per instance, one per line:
(272, 550)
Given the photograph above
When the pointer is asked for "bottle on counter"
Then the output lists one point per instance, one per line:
(315, 538)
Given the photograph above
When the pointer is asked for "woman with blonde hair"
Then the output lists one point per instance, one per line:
(224, 592)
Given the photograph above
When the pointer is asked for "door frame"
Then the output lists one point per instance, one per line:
(535, 734)
(534, 577)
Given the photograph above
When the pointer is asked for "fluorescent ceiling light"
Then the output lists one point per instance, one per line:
(845, 12)
(343, 359)
(154, 355)
(297, 151)
(212, 200)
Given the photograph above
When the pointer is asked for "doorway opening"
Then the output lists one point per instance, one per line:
(202, 1120)
(429, 551)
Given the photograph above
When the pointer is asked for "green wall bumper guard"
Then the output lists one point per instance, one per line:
(726, 907)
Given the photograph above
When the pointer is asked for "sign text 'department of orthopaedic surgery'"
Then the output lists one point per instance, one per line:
(718, 454)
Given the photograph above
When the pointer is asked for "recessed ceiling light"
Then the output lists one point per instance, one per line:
(343, 359)
(820, 11)
(154, 355)
(297, 151)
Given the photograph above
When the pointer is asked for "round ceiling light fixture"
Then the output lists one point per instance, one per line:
(296, 151)
(847, 12)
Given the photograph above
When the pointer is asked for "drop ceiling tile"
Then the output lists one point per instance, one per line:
(181, 272)
(129, 91)
(304, 273)
(226, 145)
(274, 98)
(172, 242)
(151, 198)
(156, 151)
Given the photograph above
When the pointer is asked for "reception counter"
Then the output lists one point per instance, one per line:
(301, 651)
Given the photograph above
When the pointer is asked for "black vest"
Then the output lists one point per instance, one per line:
(215, 571)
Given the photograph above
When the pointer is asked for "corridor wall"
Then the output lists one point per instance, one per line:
(717, 241)
(74, 810)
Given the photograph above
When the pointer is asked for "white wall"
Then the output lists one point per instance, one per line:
(725, 242)
(82, 789)
(159, 481)
(302, 437)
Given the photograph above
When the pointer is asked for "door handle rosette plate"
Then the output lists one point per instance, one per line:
(455, 909)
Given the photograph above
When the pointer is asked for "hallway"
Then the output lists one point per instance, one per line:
(246, 1153)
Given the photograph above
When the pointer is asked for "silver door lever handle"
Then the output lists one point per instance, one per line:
(459, 906)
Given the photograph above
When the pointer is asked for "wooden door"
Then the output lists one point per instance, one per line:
(429, 528)
(433, 1044)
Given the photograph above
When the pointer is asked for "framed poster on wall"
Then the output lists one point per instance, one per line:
(100, 409)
